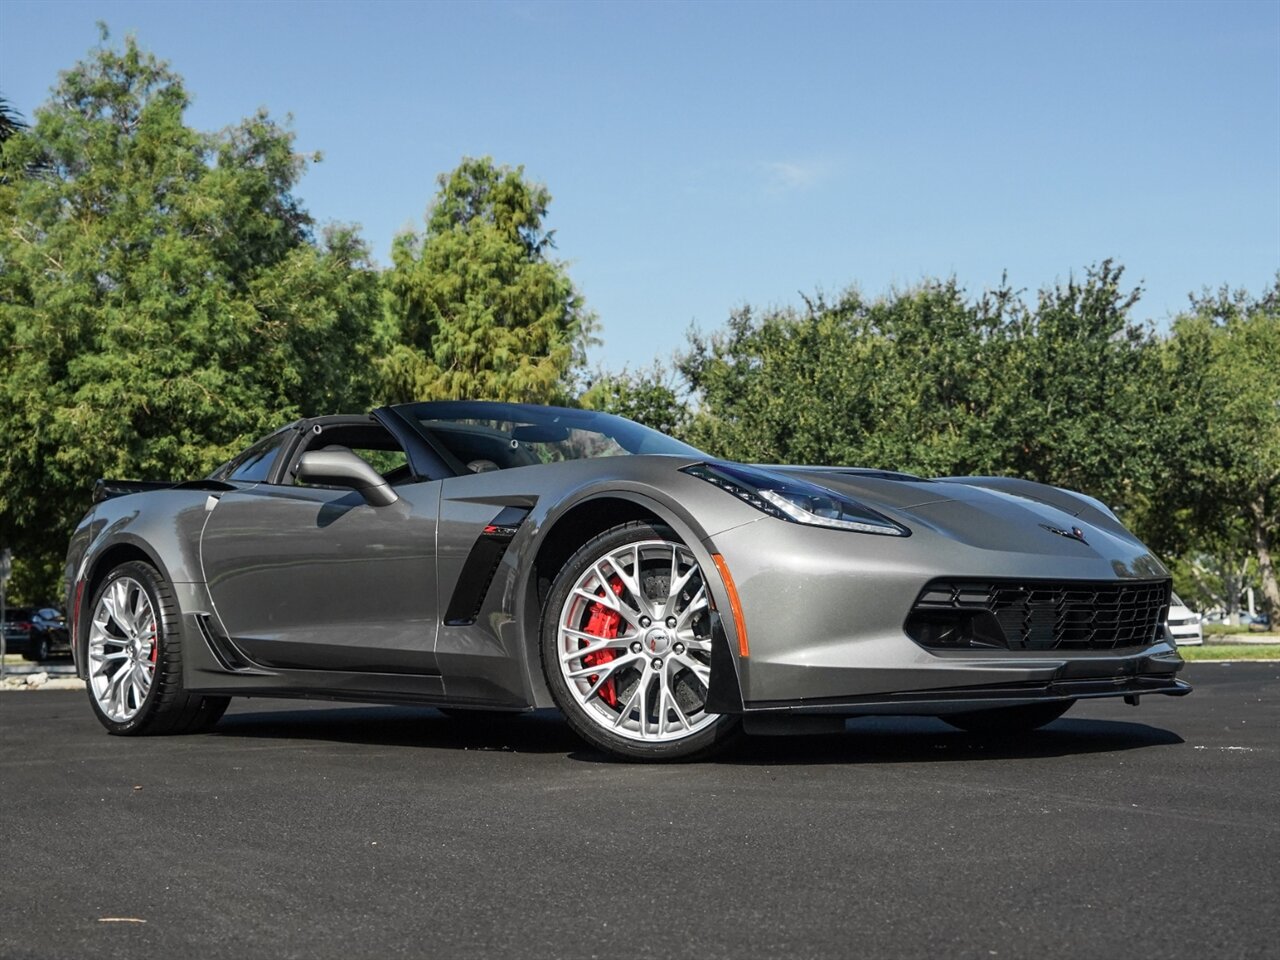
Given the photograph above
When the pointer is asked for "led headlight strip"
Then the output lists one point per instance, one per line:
(795, 499)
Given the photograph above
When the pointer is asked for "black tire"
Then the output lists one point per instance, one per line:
(1009, 720)
(38, 649)
(167, 708)
(702, 743)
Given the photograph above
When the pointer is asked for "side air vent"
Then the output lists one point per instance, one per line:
(481, 566)
(223, 650)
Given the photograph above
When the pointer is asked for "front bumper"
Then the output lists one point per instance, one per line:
(1153, 671)
(825, 616)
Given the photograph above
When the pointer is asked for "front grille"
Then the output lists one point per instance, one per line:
(1038, 614)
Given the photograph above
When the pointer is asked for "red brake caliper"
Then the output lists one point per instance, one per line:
(603, 623)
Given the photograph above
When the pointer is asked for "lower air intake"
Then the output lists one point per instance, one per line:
(955, 614)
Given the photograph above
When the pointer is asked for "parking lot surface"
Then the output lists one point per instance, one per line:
(313, 830)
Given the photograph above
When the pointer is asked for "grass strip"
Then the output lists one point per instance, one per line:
(1227, 630)
(1231, 651)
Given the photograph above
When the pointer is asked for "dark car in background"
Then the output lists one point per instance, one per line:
(38, 633)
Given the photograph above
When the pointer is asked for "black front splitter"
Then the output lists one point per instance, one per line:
(964, 699)
(828, 716)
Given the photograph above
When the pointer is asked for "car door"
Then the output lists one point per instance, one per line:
(314, 578)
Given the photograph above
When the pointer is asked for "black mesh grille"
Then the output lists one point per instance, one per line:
(1038, 614)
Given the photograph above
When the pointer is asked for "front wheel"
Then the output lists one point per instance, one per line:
(1020, 719)
(626, 647)
(135, 658)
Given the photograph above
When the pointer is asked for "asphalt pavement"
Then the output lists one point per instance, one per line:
(300, 829)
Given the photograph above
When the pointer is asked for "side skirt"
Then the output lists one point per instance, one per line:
(215, 666)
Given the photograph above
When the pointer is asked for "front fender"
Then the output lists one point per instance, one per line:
(666, 507)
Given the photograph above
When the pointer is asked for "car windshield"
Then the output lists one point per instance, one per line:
(480, 436)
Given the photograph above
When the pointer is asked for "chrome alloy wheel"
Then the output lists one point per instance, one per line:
(123, 649)
(634, 642)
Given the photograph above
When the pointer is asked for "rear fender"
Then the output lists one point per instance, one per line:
(161, 527)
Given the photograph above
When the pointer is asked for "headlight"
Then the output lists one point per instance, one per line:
(796, 500)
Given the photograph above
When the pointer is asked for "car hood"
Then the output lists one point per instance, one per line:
(1011, 517)
(876, 488)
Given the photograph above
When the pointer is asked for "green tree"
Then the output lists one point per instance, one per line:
(931, 381)
(477, 307)
(901, 382)
(651, 397)
(1079, 392)
(161, 297)
(1223, 466)
(785, 386)
(10, 121)
(1217, 575)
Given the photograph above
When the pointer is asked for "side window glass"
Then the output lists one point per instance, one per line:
(386, 462)
(369, 441)
(254, 465)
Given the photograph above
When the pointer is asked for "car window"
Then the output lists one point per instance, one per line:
(384, 461)
(369, 440)
(480, 436)
(254, 465)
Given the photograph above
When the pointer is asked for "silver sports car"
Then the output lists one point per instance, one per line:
(484, 557)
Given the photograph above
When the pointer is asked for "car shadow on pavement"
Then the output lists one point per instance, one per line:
(538, 731)
(924, 739)
(865, 740)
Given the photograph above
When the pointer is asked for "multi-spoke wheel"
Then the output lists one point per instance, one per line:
(627, 646)
(123, 648)
(134, 656)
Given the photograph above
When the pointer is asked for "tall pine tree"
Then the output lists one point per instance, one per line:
(478, 307)
(162, 298)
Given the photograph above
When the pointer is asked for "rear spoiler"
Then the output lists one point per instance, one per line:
(108, 489)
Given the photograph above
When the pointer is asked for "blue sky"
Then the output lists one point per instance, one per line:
(706, 155)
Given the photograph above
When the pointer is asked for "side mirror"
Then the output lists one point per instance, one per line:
(342, 468)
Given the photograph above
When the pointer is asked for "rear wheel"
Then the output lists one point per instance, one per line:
(134, 658)
(1010, 719)
(626, 647)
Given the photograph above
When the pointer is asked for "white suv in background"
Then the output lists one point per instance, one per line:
(1184, 624)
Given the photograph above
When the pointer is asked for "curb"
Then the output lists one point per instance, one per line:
(17, 683)
(1241, 640)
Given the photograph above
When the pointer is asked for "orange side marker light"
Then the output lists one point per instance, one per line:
(735, 605)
